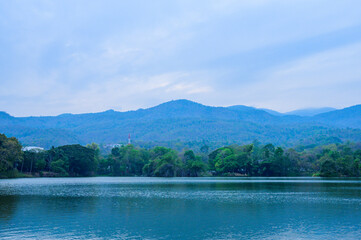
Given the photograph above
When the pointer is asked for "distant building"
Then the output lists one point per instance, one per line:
(113, 145)
(32, 149)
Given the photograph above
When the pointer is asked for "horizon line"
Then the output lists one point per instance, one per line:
(133, 110)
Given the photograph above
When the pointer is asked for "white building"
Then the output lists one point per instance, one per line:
(33, 149)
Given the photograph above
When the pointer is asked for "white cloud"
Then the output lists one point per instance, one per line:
(29, 84)
(330, 78)
(90, 56)
(128, 93)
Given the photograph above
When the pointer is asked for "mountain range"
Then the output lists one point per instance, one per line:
(306, 112)
(184, 120)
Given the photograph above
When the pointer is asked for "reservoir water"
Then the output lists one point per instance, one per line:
(180, 208)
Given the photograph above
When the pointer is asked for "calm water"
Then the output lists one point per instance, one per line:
(180, 208)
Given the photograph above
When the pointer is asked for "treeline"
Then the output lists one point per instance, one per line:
(69, 160)
(334, 160)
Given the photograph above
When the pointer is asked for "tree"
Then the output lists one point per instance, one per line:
(60, 166)
(194, 166)
(229, 160)
(96, 149)
(79, 160)
(33, 161)
(10, 155)
(164, 162)
(328, 167)
(127, 161)
(217, 155)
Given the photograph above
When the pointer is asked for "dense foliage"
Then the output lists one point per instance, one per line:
(157, 162)
(68, 160)
(333, 160)
(10, 155)
(257, 160)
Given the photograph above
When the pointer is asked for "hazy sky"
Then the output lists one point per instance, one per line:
(89, 56)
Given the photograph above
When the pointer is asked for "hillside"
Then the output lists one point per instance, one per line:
(347, 117)
(309, 112)
(184, 120)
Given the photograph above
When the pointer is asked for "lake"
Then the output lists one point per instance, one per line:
(180, 208)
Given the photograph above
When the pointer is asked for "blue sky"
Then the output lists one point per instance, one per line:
(90, 56)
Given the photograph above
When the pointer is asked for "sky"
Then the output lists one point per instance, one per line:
(90, 56)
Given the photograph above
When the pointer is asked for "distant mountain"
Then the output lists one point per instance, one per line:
(273, 112)
(309, 112)
(4, 115)
(347, 117)
(185, 121)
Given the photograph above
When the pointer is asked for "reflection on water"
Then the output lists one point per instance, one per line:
(7, 206)
(180, 208)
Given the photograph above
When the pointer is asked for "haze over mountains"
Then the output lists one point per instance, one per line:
(311, 111)
(306, 112)
(184, 120)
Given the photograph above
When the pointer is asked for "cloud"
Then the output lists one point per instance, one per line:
(128, 93)
(91, 56)
(330, 78)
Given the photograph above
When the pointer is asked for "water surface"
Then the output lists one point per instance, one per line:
(180, 208)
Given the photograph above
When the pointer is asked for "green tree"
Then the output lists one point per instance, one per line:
(10, 155)
(127, 160)
(33, 161)
(60, 166)
(328, 167)
(79, 160)
(194, 166)
(164, 162)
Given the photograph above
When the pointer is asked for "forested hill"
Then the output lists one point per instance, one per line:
(184, 120)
